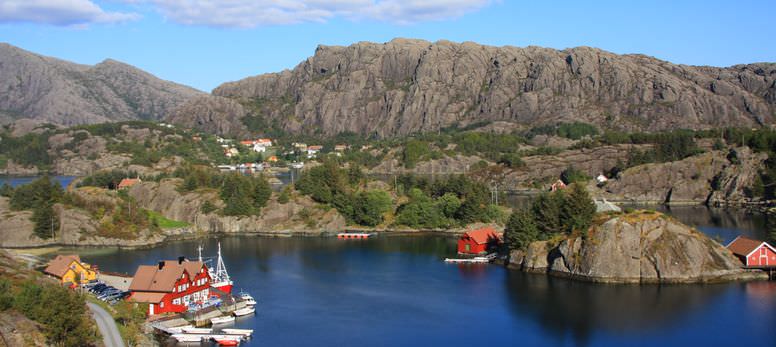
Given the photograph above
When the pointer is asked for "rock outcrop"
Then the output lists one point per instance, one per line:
(636, 248)
(61, 92)
(215, 114)
(275, 218)
(408, 86)
(706, 178)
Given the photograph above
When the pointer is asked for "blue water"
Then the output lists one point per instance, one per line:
(14, 181)
(396, 291)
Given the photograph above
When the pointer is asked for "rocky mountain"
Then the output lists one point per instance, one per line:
(61, 92)
(406, 86)
(642, 247)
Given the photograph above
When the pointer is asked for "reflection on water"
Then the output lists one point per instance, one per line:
(396, 290)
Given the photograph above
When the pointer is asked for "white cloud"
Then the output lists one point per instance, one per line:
(252, 13)
(59, 12)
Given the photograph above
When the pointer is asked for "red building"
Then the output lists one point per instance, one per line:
(480, 241)
(753, 252)
(170, 286)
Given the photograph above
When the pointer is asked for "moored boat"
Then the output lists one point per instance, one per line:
(227, 341)
(197, 330)
(187, 338)
(244, 311)
(243, 332)
(222, 320)
(219, 275)
(247, 298)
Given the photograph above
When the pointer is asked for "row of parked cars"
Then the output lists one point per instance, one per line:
(105, 292)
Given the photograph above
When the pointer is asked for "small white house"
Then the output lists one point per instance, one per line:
(312, 151)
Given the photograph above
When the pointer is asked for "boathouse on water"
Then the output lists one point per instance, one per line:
(480, 241)
(171, 285)
(754, 253)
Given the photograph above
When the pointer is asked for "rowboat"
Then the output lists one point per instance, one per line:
(244, 311)
(187, 338)
(222, 320)
(197, 330)
(468, 260)
(227, 341)
(243, 332)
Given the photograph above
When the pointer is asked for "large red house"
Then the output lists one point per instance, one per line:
(753, 252)
(170, 286)
(479, 241)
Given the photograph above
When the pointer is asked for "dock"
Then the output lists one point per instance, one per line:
(355, 235)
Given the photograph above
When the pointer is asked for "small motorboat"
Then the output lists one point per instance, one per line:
(222, 320)
(187, 338)
(178, 330)
(247, 298)
(243, 332)
(197, 330)
(227, 341)
(244, 311)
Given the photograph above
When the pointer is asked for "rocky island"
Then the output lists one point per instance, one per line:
(639, 247)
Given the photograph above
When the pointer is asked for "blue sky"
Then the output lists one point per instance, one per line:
(203, 43)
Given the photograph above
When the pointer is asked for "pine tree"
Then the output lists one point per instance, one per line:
(578, 210)
(46, 221)
(520, 230)
(547, 213)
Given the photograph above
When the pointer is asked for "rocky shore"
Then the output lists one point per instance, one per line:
(642, 247)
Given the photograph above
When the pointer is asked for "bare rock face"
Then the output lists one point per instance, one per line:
(60, 92)
(407, 86)
(639, 248)
(213, 114)
(164, 198)
(708, 177)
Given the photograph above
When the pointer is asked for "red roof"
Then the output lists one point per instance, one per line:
(744, 246)
(150, 278)
(128, 182)
(484, 235)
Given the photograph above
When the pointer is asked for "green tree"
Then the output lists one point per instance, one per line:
(572, 175)
(547, 213)
(285, 195)
(370, 207)
(520, 230)
(578, 209)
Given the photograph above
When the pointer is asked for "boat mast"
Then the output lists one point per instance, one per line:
(199, 249)
(221, 273)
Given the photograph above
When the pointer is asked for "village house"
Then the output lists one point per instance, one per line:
(340, 148)
(753, 252)
(128, 182)
(302, 147)
(259, 145)
(70, 269)
(312, 151)
(480, 241)
(171, 285)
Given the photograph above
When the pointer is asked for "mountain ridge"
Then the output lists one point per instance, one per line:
(406, 86)
(57, 91)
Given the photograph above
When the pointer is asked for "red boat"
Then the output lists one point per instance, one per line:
(219, 277)
(227, 342)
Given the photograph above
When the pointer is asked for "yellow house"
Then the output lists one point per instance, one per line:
(68, 268)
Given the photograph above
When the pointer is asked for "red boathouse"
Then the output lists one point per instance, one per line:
(753, 252)
(171, 285)
(479, 241)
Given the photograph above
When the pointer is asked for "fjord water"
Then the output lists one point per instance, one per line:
(395, 290)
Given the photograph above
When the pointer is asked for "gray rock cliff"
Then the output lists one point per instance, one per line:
(407, 86)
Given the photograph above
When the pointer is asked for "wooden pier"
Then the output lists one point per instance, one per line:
(355, 235)
(769, 269)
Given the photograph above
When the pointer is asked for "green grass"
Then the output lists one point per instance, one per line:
(166, 223)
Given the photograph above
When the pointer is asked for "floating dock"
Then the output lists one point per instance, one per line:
(355, 235)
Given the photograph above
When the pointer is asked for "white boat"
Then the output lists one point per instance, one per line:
(177, 330)
(244, 311)
(247, 298)
(222, 320)
(467, 260)
(243, 332)
(197, 330)
(187, 338)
